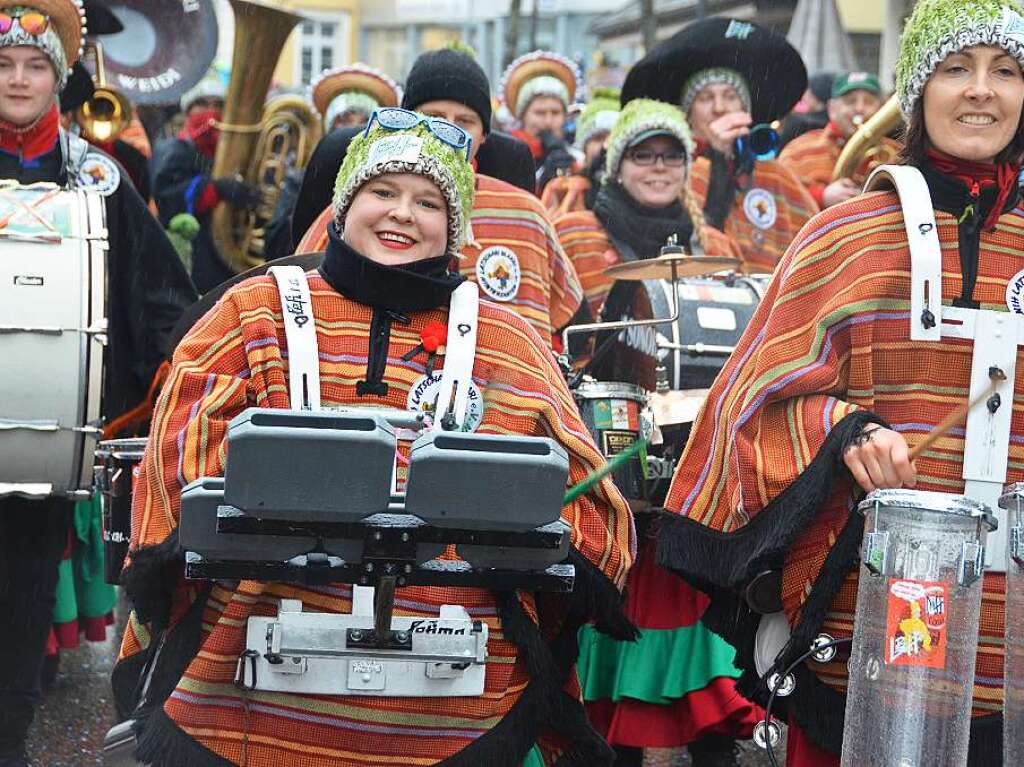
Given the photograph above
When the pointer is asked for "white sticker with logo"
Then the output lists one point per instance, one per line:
(423, 399)
(738, 30)
(99, 174)
(1015, 293)
(497, 273)
(402, 147)
(759, 205)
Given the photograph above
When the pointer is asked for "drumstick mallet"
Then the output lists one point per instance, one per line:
(995, 375)
(584, 486)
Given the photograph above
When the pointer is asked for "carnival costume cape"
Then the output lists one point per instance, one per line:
(591, 251)
(235, 358)
(514, 255)
(812, 158)
(762, 213)
(762, 484)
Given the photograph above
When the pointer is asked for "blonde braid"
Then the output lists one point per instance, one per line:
(696, 216)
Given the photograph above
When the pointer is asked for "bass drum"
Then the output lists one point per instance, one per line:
(52, 333)
(713, 313)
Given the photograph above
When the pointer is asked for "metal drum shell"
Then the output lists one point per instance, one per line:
(116, 477)
(612, 412)
(915, 630)
(1013, 670)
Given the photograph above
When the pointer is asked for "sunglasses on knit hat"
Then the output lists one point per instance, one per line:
(396, 118)
(33, 22)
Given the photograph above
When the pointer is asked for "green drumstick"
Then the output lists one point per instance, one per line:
(594, 477)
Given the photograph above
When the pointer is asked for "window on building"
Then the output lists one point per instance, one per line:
(323, 43)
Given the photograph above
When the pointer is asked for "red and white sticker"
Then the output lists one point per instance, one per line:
(915, 624)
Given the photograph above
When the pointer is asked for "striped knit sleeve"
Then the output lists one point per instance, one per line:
(208, 385)
(788, 383)
(566, 290)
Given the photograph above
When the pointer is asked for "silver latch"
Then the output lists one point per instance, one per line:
(1017, 545)
(876, 552)
(972, 563)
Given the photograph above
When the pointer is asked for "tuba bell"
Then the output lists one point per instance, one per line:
(260, 34)
(105, 116)
(866, 143)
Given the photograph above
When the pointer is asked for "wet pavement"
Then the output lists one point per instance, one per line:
(78, 710)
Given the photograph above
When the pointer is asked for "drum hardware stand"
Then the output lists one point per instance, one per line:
(594, 327)
(698, 349)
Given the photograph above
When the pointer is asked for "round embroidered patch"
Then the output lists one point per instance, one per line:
(1015, 293)
(99, 174)
(497, 273)
(423, 399)
(759, 205)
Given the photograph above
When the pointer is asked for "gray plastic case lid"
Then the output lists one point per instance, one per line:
(486, 481)
(309, 466)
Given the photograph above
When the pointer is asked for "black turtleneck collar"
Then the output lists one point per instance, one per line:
(951, 195)
(418, 286)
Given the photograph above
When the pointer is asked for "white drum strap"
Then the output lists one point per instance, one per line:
(925, 250)
(460, 351)
(300, 336)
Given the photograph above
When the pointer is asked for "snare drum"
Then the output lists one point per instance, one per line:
(916, 629)
(116, 477)
(613, 414)
(52, 334)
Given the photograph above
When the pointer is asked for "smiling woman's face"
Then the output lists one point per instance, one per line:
(973, 102)
(657, 184)
(398, 218)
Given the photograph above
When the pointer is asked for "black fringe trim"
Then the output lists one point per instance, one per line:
(151, 578)
(595, 598)
(163, 744)
(709, 558)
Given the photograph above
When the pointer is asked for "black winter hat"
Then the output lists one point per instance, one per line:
(449, 74)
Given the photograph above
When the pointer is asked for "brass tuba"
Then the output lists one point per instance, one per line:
(866, 143)
(260, 34)
(105, 116)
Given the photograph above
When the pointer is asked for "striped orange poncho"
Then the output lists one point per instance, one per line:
(830, 344)
(765, 217)
(587, 244)
(812, 158)
(235, 358)
(505, 219)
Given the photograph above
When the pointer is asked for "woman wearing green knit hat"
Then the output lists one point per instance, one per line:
(571, 192)
(383, 323)
(878, 323)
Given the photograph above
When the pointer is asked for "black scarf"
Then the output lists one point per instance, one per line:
(418, 286)
(643, 230)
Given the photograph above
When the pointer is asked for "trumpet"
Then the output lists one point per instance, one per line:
(105, 116)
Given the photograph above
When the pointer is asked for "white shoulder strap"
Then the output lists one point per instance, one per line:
(300, 335)
(460, 350)
(925, 250)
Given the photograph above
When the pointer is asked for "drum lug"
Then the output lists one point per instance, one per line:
(823, 654)
(767, 734)
(783, 686)
(876, 552)
(972, 563)
(1017, 545)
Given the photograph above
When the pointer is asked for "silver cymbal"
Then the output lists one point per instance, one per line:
(660, 268)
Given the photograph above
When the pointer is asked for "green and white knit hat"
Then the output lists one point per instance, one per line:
(598, 116)
(716, 75)
(939, 28)
(416, 150)
(640, 119)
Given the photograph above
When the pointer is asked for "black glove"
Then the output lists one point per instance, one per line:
(240, 194)
(559, 159)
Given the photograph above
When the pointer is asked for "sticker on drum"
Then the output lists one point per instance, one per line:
(617, 414)
(615, 442)
(915, 624)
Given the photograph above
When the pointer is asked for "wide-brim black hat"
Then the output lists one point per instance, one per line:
(100, 19)
(79, 89)
(773, 69)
